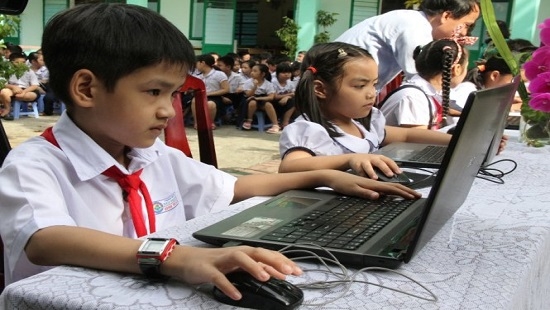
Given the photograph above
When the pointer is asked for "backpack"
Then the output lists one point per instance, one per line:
(430, 110)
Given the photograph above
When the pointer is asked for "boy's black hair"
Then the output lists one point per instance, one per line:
(438, 57)
(458, 8)
(14, 56)
(208, 59)
(328, 61)
(227, 60)
(14, 48)
(111, 40)
(33, 56)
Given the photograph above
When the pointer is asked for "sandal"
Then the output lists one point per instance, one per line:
(247, 125)
(274, 129)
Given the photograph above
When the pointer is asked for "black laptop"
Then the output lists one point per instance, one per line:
(359, 232)
(407, 154)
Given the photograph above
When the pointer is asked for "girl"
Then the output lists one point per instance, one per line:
(284, 93)
(492, 71)
(260, 93)
(423, 101)
(338, 125)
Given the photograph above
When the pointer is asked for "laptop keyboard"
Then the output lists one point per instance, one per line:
(430, 154)
(342, 223)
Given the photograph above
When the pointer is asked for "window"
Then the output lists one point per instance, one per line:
(246, 28)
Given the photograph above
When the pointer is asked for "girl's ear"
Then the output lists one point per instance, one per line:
(82, 87)
(494, 76)
(457, 69)
(319, 89)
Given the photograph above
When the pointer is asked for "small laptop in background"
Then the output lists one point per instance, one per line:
(358, 232)
(420, 155)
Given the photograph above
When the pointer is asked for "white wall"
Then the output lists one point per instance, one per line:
(32, 26)
(343, 8)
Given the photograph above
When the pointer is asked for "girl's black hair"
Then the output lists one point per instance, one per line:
(438, 57)
(283, 67)
(327, 61)
(493, 61)
(265, 70)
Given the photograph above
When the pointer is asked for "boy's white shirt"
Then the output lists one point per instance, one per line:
(43, 185)
(29, 78)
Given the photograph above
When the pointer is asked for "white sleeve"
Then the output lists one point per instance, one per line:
(307, 136)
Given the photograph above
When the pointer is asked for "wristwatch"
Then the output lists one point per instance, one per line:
(152, 253)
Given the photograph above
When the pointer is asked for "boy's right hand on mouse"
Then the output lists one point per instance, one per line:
(209, 265)
(363, 165)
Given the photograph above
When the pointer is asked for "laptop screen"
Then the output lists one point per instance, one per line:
(466, 152)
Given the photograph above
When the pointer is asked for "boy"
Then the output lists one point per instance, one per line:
(116, 67)
(24, 88)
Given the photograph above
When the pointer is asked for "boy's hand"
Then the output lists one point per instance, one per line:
(363, 165)
(209, 265)
(349, 184)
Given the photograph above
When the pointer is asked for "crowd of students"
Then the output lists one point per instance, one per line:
(64, 196)
(239, 84)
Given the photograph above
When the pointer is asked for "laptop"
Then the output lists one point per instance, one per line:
(414, 155)
(374, 240)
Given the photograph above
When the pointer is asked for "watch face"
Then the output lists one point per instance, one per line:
(154, 246)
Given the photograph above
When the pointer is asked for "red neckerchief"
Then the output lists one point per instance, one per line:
(131, 184)
(437, 119)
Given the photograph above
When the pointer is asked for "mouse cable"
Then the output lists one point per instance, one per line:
(344, 277)
(495, 175)
(431, 174)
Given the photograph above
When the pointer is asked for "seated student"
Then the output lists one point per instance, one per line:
(338, 124)
(60, 199)
(246, 67)
(216, 86)
(296, 72)
(492, 71)
(441, 65)
(11, 48)
(284, 93)
(259, 93)
(37, 65)
(235, 95)
(24, 88)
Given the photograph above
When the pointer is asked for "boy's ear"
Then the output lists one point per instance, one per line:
(81, 88)
(319, 89)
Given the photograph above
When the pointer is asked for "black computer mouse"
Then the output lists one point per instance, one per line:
(401, 178)
(271, 294)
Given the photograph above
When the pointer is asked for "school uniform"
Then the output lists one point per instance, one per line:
(311, 137)
(43, 185)
(391, 39)
(262, 90)
(409, 106)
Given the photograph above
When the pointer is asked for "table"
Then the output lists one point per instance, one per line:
(491, 255)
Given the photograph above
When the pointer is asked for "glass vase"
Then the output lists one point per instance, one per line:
(534, 134)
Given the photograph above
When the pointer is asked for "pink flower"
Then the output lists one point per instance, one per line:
(545, 32)
(540, 84)
(540, 102)
(539, 63)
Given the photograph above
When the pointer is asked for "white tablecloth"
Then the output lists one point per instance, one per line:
(493, 254)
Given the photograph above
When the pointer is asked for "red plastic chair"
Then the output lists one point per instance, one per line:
(174, 134)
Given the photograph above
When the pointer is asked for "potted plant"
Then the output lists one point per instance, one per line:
(288, 34)
(324, 20)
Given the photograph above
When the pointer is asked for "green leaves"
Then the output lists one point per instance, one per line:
(288, 34)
